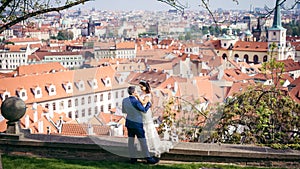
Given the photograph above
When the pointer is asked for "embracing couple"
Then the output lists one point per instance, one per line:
(139, 123)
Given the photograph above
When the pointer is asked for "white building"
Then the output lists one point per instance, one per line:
(70, 60)
(80, 94)
(12, 56)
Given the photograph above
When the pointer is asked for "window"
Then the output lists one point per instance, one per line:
(101, 108)
(76, 102)
(83, 113)
(224, 56)
(82, 101)
(69, 103)
(76, 114)
(54, 106)
(109, 96)
(246, 58)
(93, 83)
(68, 87)
(101, 97)
(90, 111)
(51, 90)
(236, 57)
(106, 81)
(122, 93)
(22, 94)
(255, 59)
(70, 114)
(96, 110)
(61, 105)
(5, 95)
(95, 98)
(89, 99)
(117, 93)
(80, 85)
(265, 59)
(109, 106)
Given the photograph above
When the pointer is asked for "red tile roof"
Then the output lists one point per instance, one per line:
(154, 77)
(251, 46)
(57, 79)
(108, 117)
(82, 129)
(40, 68)
(125, 45)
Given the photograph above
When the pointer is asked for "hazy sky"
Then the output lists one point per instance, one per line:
(155, 5)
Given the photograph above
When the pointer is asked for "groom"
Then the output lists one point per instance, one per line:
(134, 123)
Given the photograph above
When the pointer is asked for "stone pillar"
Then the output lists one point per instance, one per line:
(12, 109)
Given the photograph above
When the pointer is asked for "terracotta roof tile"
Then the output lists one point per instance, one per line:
(238, 87)
(58, 79)
(295, 93)
(22, 40)
(125, 45)
(235, 75)
(250, 46)
(82, 129)
(40, 68)
(290, 65)
(14, 48)
(108, 117)
(154, 77)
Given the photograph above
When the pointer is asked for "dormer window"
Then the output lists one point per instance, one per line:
(37, 92)
(80, 85)
(93, 83)
(22, 93)
(68, 87)
(106, 81)
(51, 90)
(5, 95)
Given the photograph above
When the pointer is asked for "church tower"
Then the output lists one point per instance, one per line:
(277, 35)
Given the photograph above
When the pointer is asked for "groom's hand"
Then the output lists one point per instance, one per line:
(149, 104)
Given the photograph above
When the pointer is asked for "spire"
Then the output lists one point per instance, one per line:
(277, 16)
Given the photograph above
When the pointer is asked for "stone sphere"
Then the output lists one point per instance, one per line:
(13, 109)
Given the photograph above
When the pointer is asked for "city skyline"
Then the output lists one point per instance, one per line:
(154, 5)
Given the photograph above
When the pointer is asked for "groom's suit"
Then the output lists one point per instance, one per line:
(134, 123)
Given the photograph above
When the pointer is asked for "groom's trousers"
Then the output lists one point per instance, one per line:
(140, 133)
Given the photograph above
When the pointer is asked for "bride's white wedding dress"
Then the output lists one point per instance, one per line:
(155, 144)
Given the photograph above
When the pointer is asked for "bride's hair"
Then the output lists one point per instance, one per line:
(147, 85)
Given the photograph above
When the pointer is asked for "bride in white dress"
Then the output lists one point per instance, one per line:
(155, 145)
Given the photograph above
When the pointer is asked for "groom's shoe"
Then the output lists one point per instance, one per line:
(133, 160)
(151, 160)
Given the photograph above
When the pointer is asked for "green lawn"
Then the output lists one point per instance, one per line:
(21, 162)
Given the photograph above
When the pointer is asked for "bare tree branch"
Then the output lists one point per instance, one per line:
(4, 5)
(42, 11)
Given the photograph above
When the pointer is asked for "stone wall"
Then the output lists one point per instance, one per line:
(88, 148)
